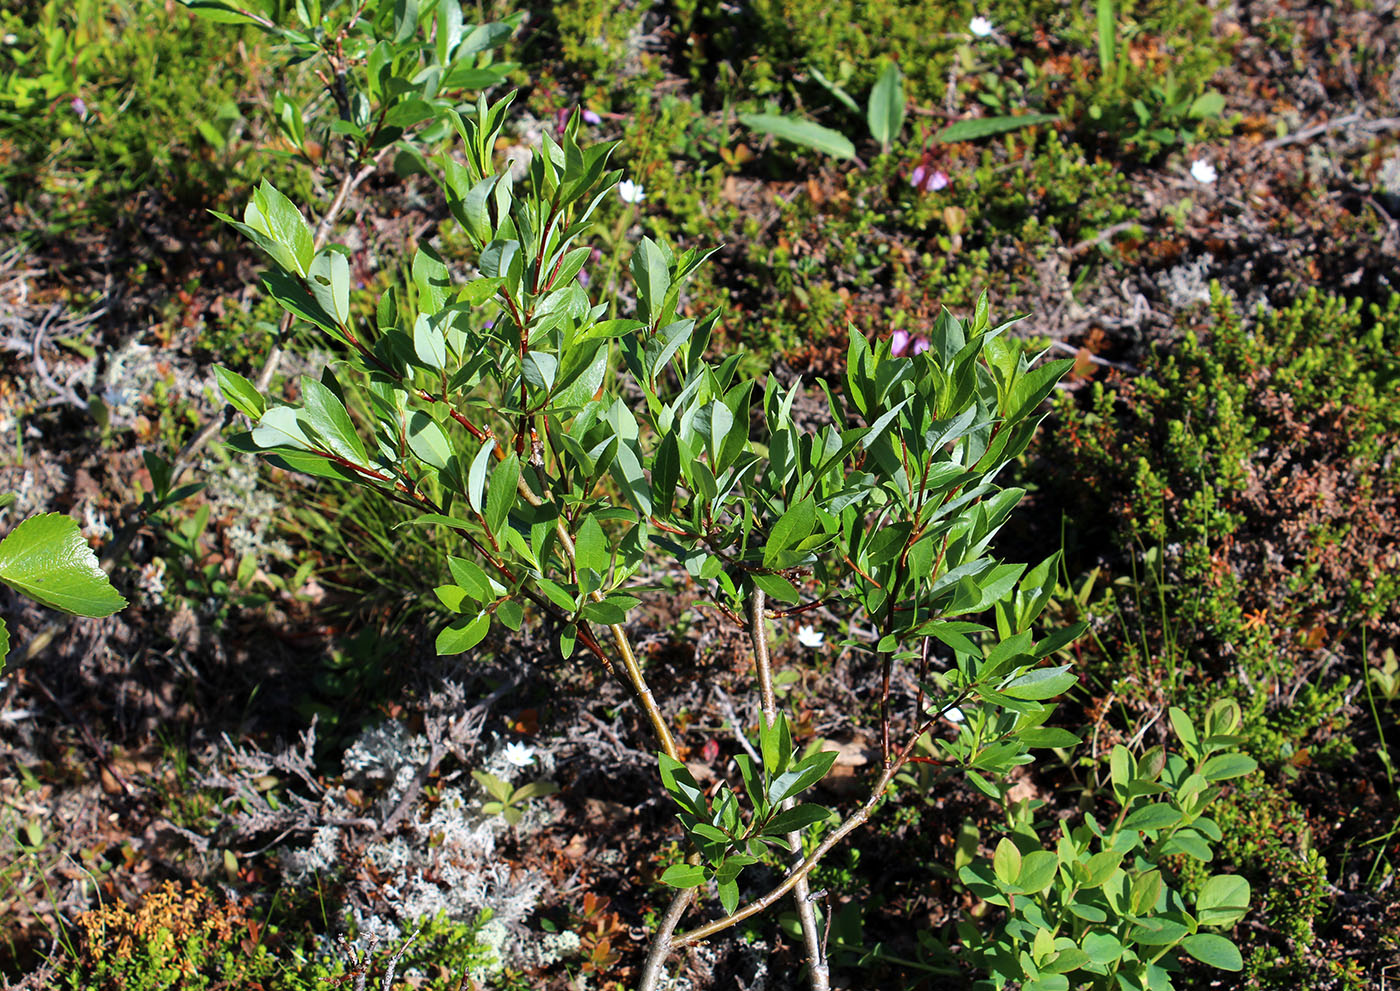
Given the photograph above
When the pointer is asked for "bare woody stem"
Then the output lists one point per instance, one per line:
(819, 975)
(799, 873)
(620, 640)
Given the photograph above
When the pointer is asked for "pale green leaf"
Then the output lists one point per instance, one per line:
(46, 558)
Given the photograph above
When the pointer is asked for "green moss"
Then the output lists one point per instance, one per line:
(1247, 468)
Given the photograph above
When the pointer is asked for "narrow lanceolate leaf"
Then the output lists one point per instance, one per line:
(4, 643)
(1041, 683)
(326, 415)
(241, 394)
(802, 132)
(981, 127)
(47, 559)
(885, 114)
(502, 495)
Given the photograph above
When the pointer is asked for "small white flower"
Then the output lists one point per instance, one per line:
(955, 715)
(809, 636)
(980, 26)
(631, 192)
(519, 755)
(11, 39)
(1203, 172)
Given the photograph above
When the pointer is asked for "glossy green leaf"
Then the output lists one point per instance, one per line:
(327, 415)
(683, 876)
(1041, 683)
(46, 558)
(795, 818)
(463, 634)
(427, 440)
(4, 642)
(241, 394)
(502, 494)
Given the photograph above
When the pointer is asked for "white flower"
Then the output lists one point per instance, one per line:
(955, 715)
(519, 755)
(809, 636)
(1203, 172)
(631, 192)
(980, 26)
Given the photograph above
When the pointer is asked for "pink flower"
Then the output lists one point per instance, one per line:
(927, 180)
(79, 107)
(899, 342)
(589, 117)
(920, 345)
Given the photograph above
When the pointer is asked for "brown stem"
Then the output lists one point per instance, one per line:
(661, 943)
(818, 973)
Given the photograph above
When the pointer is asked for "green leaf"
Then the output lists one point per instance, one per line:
(463, 634)
(1185, 732)
(4, 642)
(1007, 862)
(1157, 815)
(279, 218)
(1041, 683)
(1106, 26)
(729, 896)
(885, 113)
(982, 127)
(1212, 950)
(46, 558)
(1048, 736)
(1038, 869)
(502, 494)
(1208, 104)
(495, 787)
(1102, 948)
(241, 394)
(533, 789)
(792, 527)
(328, 417)
(1032, 387)
(652, 275)
(677, 779)
(427, 440)
(1223, 766)
(329, 278)
(775, 586)
(795, 818)
(802, 132)
(591, 549)
(1223, 901)
(429, 343)
(808, 772)
(683, 876)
